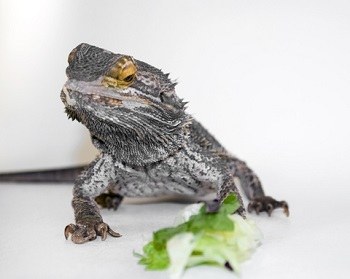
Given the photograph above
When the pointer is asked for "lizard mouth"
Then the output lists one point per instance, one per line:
(66, 98)
(103, 99)
(118, 101)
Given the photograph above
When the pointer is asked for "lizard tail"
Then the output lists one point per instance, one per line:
(63, 175)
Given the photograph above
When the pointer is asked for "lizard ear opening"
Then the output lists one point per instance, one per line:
(122, 74)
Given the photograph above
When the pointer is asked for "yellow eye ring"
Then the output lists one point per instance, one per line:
(122, 74)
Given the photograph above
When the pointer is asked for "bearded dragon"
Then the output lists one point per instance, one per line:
(148, 145)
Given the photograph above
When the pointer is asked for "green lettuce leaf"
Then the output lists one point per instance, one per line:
(204, 238)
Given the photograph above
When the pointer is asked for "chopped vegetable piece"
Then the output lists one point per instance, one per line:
(203, 238)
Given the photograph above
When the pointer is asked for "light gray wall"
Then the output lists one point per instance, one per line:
(271, 79)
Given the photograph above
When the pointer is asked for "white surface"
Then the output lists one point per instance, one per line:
(271, 79)
(312, 243)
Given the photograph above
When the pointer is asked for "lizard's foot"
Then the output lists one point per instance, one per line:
(267, 204)
(88, 232)
(213, 206)
(109, 200)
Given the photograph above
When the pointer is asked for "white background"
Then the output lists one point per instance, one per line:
(271, 80)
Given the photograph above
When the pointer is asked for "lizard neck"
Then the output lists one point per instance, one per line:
(137, 147)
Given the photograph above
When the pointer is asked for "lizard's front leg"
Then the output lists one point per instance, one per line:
(206, 168)
(253, 189)
(225, 186)
(91, 183)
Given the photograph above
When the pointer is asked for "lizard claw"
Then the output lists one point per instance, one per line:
(267, 204)
(84, 233)
(269, 209)
(285, 207)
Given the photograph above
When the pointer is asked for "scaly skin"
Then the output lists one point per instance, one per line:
(149, 145)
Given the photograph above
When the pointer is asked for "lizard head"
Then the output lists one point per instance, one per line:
(125, 103)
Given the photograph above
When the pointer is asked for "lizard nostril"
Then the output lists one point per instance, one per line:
(161, 97)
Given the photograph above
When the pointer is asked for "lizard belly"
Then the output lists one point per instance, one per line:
(152, 189)
(157, 181)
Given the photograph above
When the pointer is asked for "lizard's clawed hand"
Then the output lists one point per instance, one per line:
(267, 204)
(88, 232)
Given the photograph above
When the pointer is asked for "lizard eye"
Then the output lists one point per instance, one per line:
(122, 74)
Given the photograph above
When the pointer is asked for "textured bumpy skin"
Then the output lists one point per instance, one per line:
(149, 145)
